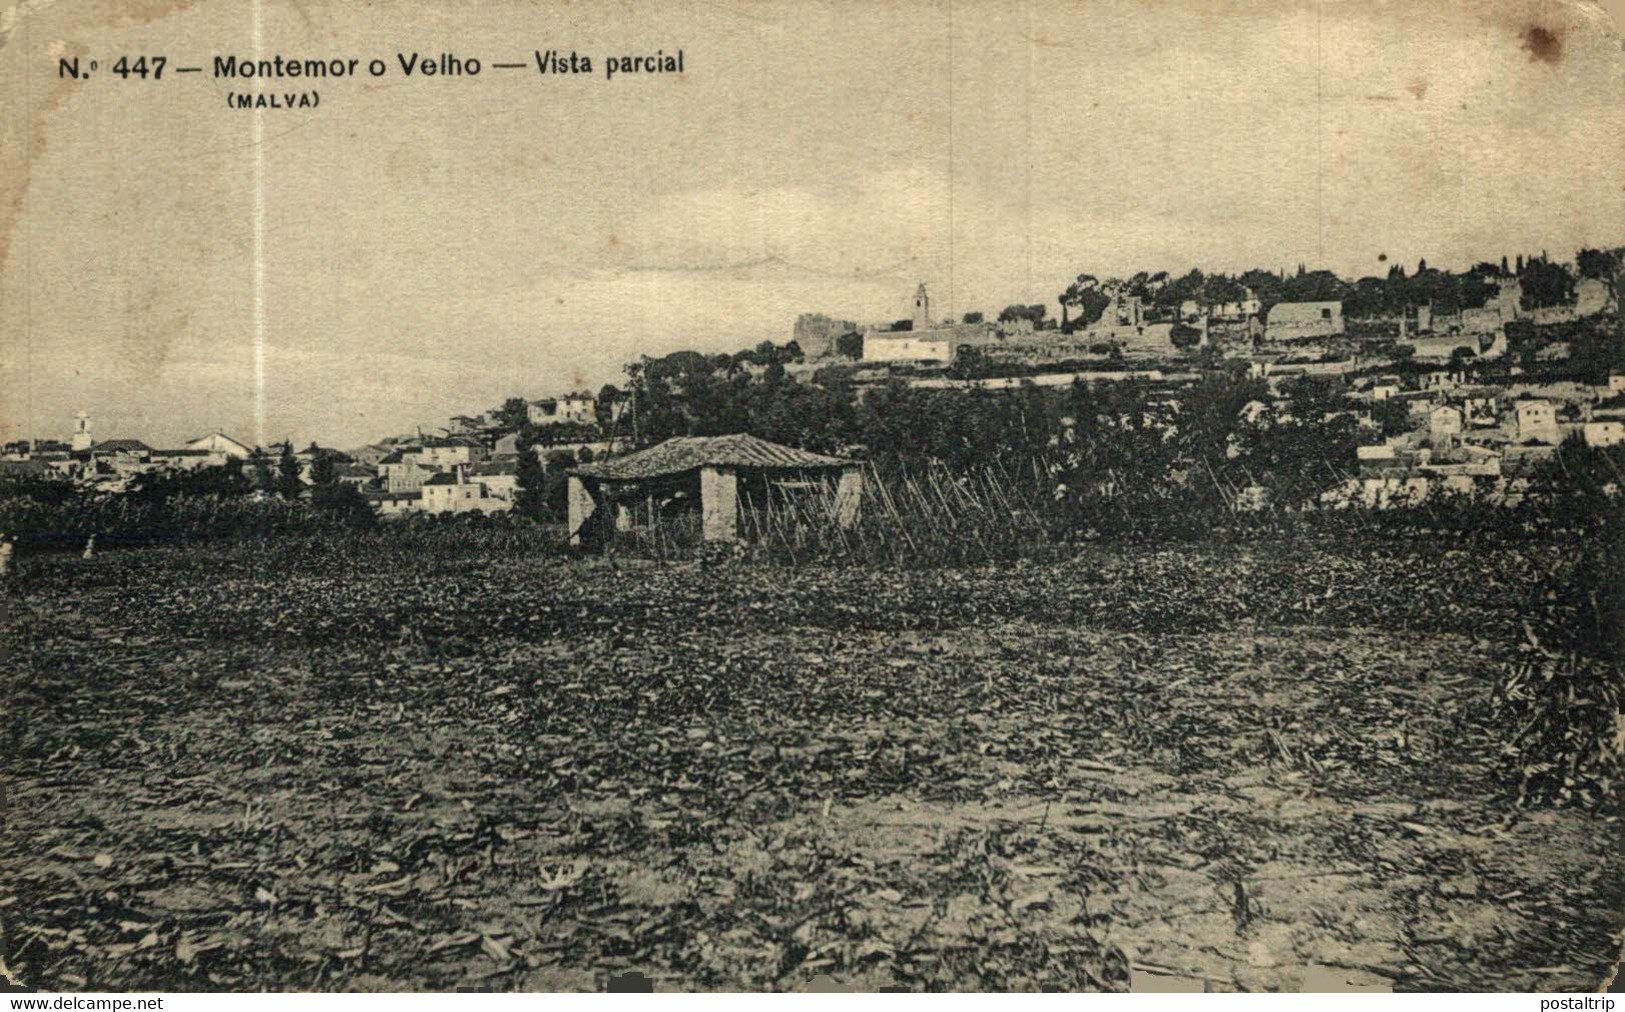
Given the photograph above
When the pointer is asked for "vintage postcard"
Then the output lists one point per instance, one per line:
(777, 495)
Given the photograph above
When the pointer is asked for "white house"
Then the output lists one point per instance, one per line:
(403, 471)
(219, 442)
(1537, 421)
(1386, 387)
(562, 410)
(391, 504)
(903, 348)
(451, 451)
(1288, 320)
(1444, 424)
(1604, 433)
(500, 478)
(451, 492)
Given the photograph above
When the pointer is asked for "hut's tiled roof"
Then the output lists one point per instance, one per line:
(686, 453)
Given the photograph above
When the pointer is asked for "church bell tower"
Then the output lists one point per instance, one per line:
(922, 309)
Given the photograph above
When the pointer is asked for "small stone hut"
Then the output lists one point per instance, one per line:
(710, 469)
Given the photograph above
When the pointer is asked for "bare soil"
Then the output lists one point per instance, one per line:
(293, 767)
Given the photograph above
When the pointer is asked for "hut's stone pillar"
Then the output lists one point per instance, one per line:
(719, 503)
(848, 496)
(581, 506)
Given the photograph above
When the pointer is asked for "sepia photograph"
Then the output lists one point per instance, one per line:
(811, 495)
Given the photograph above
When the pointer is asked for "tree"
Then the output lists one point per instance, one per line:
(263, 479)
(288, 468)
(609, 395)
(1545, 284)
(1370, 297)
(513, 414)
(1314, 286)
(1178, 291)
(1085, 299)
(231, 479)
(226, 480)
(1601, 265)
(323, 470)
(344, 503)
(531, 498)
(1393, 416)
(1312, 398)
(1184, 336)
(1016, 311)
(975, 316)
(899, 326)
(1265, 285)
(970, 362)
(1212, 412)
(1219, 289)
(1474, 289)
(850, 345)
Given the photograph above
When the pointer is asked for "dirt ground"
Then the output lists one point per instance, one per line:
(263, 768)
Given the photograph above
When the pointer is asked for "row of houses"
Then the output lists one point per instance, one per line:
(489, 487)
(112, 464)
(448, 474)
(1470, 438)
(571, 409)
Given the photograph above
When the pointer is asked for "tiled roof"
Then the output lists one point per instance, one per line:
(686, 453)
(495, 467)
(443, 478)
(221, 435)
(115, 445)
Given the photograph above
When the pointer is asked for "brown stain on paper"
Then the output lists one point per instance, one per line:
(1544, 45)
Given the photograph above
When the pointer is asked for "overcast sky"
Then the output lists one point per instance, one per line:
(417, 248)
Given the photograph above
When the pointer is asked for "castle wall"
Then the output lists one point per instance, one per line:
(816, 333)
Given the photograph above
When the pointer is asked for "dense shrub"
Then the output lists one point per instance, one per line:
(138, 520)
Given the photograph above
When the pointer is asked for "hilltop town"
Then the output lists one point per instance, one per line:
(1458, 382)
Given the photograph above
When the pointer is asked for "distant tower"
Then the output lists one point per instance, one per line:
(81, 432)
(922, 309)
